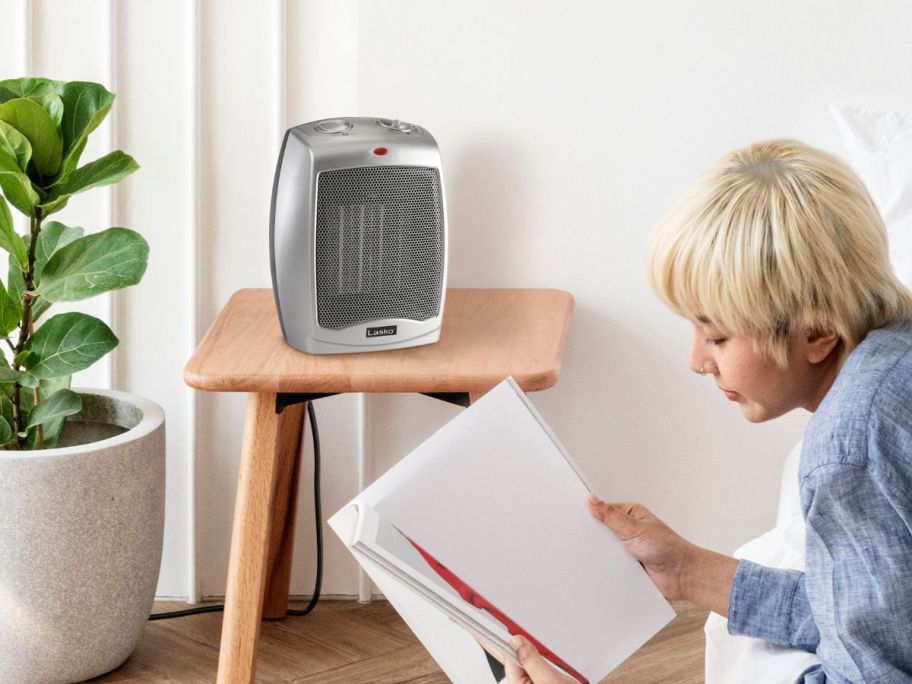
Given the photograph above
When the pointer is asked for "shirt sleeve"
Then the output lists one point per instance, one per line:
(772, 604)
(859, 574)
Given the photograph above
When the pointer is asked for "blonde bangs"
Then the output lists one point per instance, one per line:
(702, 248)
(777, 237)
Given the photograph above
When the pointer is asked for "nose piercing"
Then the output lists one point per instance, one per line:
(702, 371)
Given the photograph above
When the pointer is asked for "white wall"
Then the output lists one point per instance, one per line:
(566, 130)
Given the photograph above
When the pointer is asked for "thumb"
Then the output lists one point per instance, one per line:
(532, 662)
(613, 517)
(515, 674)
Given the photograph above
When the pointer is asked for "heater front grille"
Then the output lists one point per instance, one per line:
(379, 244)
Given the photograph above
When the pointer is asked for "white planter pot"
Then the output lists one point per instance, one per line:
(80, 543)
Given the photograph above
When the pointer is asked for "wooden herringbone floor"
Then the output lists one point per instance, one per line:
(346, 642)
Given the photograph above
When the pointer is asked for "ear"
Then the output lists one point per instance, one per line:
(818, 343)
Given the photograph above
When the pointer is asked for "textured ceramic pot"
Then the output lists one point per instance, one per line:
(80, 542)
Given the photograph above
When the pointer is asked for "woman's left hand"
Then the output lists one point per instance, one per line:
(534, 668)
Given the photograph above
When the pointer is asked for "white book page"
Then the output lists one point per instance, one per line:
(492, 497)
(454, 648)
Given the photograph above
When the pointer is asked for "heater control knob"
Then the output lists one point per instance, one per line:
(399, 126)
(332, 126)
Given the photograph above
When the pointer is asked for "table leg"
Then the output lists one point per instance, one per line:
(284, 507)
(250, 540)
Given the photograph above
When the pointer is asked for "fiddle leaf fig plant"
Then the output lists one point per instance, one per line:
(44, 127)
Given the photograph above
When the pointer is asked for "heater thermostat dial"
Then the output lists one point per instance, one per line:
(332, 126)
(399, 126)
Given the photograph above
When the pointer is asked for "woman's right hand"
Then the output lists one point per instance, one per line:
(663, 552)
(680, 569)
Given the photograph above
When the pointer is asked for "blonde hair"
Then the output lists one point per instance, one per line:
(778, 237)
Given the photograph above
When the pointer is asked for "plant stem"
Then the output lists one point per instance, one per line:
(36, 400)
(25, 325)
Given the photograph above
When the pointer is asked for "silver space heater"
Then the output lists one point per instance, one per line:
(358, 236)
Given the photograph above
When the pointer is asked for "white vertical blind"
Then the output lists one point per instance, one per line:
(322, 66)
(239, 102)
(194, 327)
(157, 320)
(15, 58)
(112, 30)
(72, 41)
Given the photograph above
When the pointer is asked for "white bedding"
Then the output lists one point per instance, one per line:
(732, 659)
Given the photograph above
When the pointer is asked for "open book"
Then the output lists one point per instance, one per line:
(482, 532)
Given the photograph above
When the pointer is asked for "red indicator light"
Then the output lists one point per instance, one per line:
(380, 151)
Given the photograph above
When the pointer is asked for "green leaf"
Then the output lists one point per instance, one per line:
(52, 237)
(30, 119)
(22, 358)
(90, 265)
(15, 280)
(52, 429)
(8, 375)
(6, 432)
(9, 240)
(16, 145)
(29, 381)
(48, 208)
(14, 182)
(15, 155)
(59, 405)
(10, 312)
(67, 343)
(44, 91)
(85, 105)
(6, 404)
(39, 306)
(16, 289)
(103, 171)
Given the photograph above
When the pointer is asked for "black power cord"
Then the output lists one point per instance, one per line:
(318, 518)
(317, 513)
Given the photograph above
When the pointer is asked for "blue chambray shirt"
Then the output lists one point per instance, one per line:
(853, 604)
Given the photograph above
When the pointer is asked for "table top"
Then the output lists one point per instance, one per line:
(487, 334)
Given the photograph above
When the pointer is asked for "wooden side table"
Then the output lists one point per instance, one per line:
(486, 336)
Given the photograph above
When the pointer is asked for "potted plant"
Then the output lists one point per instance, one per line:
(81, 471)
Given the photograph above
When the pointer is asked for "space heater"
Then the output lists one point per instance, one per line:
(358, 236)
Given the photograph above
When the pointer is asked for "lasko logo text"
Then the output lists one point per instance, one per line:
(382, 332)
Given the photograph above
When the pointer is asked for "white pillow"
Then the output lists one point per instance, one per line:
(879, 147)
(732, 658)
(745, 659)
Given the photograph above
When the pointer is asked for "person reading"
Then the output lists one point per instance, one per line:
(778, 257)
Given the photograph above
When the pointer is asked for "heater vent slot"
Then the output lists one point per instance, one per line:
(379, 244)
